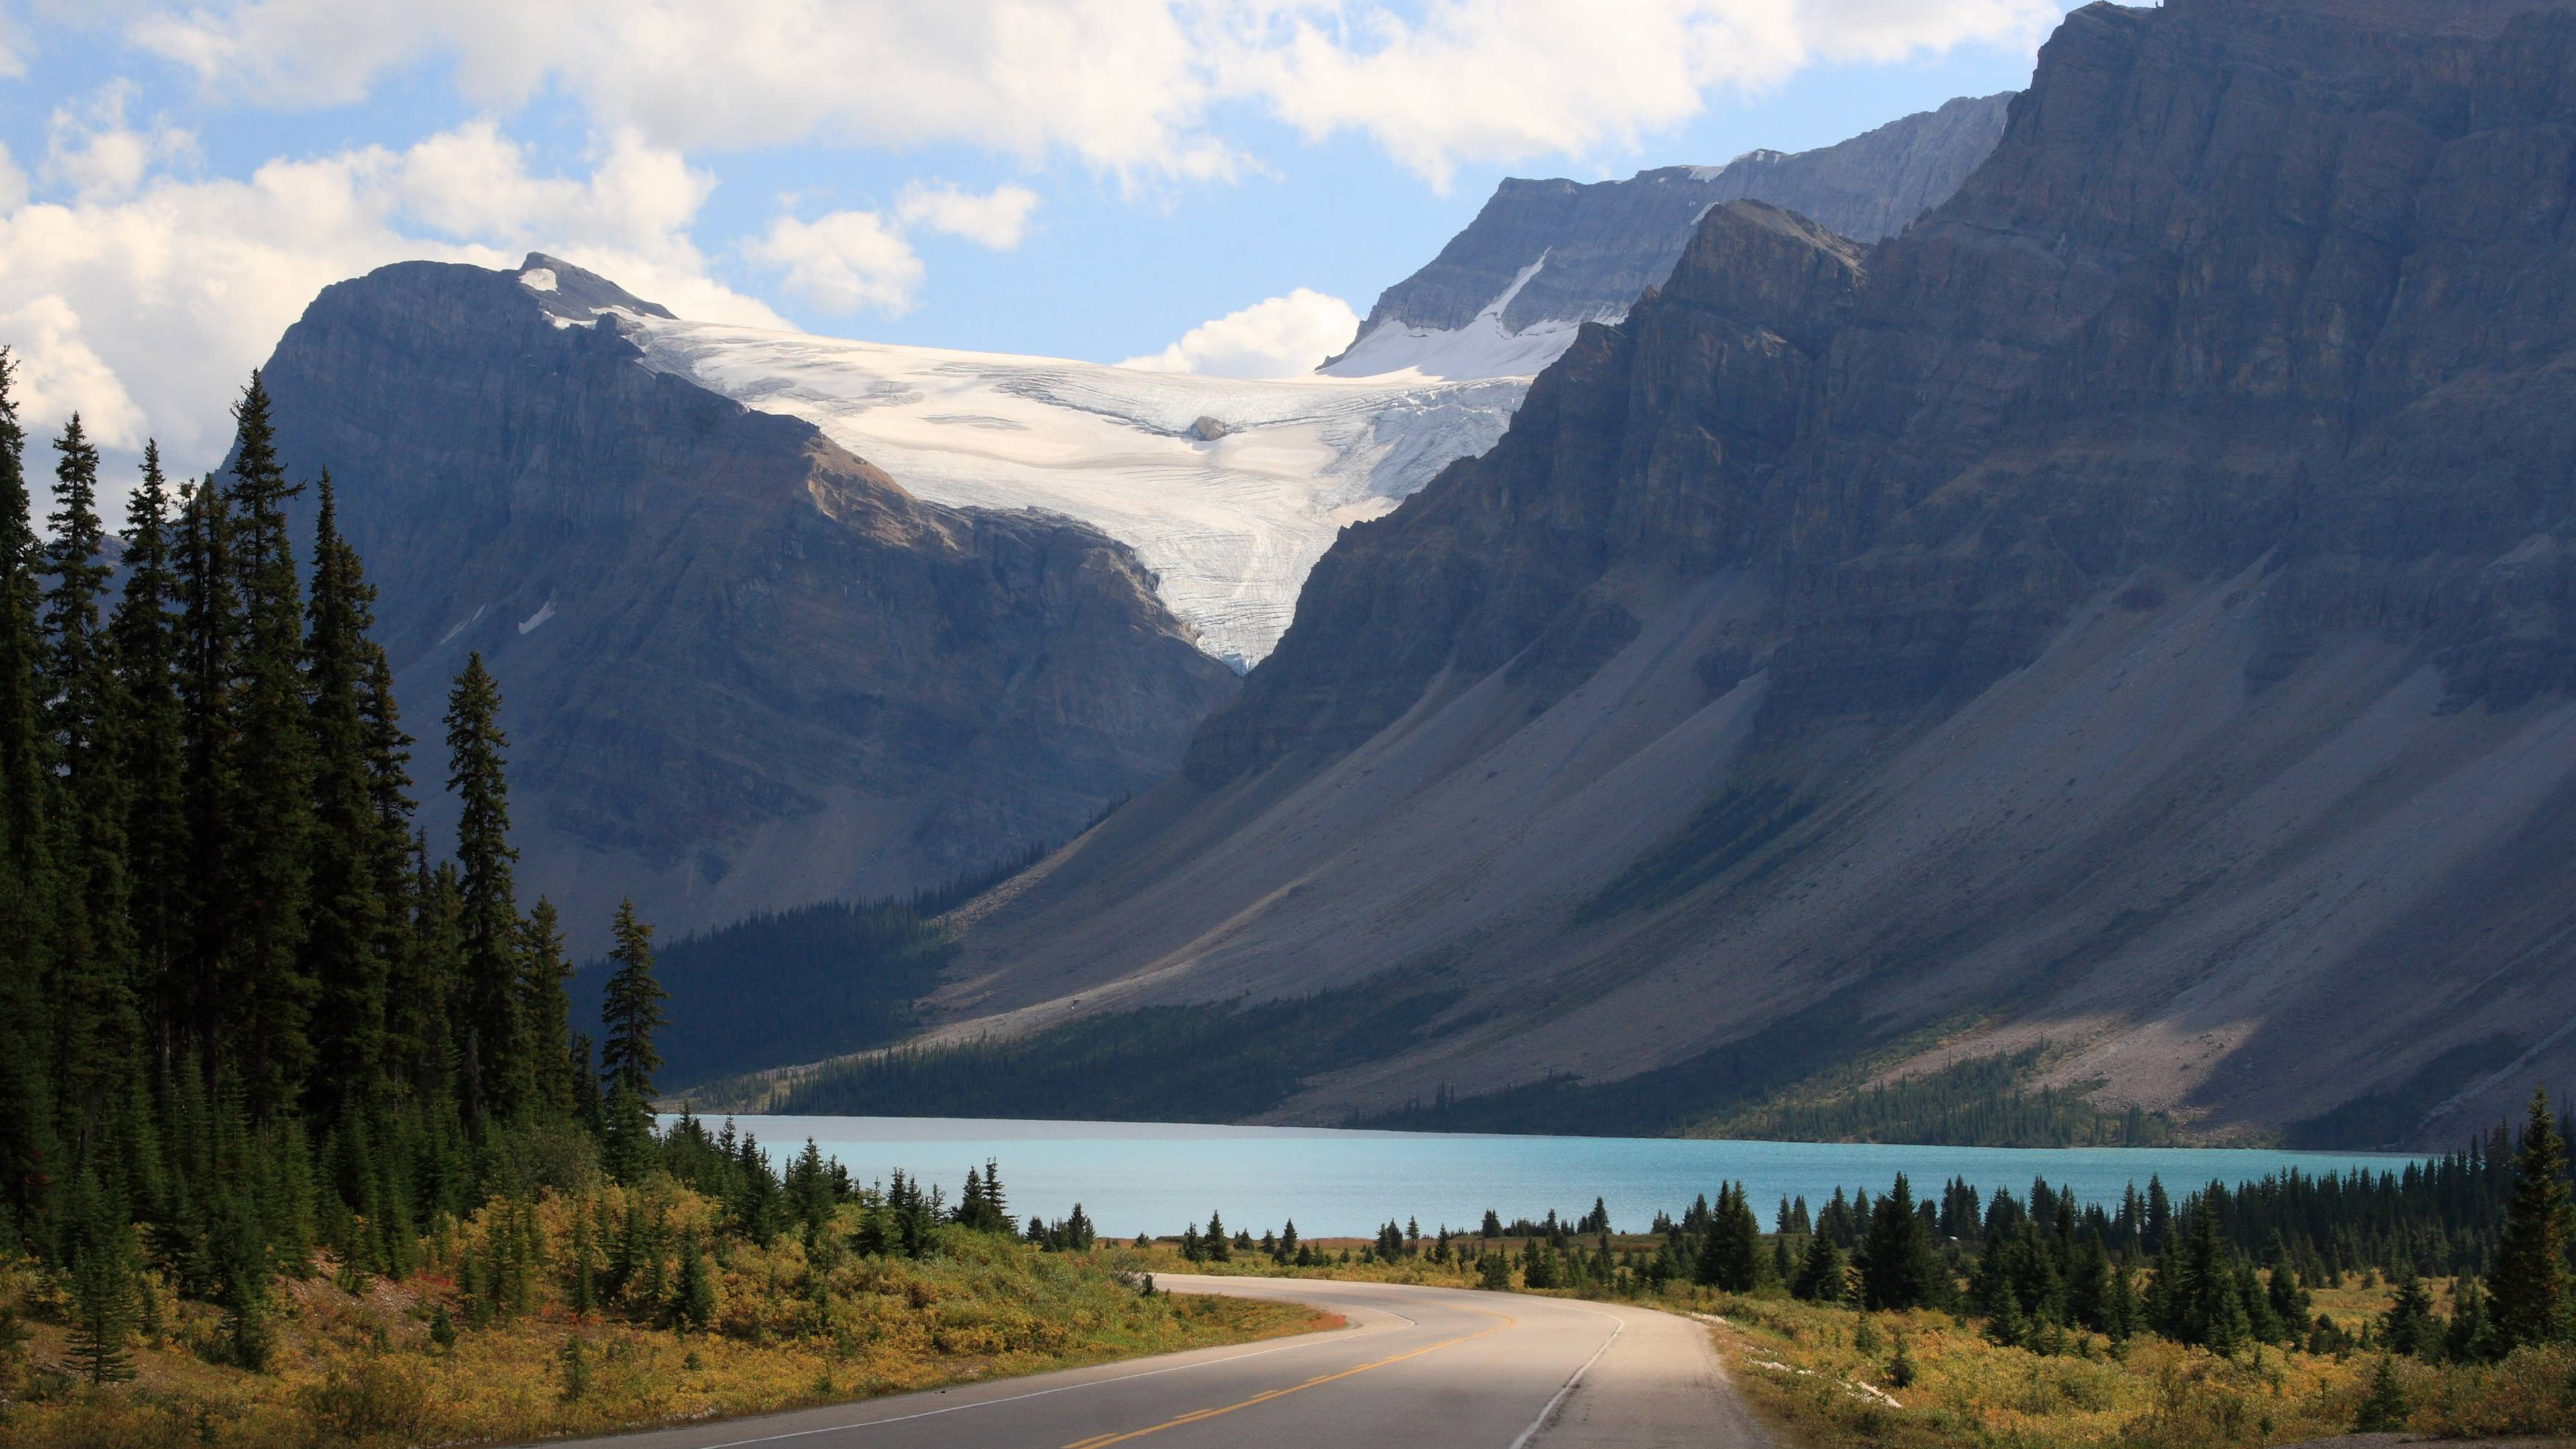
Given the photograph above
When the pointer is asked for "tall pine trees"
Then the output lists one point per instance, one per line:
(265, 877)
(2532, 1298)
(345, 939)
(90, 996)
(631, 1010)
(26, 862)
(497, 1075)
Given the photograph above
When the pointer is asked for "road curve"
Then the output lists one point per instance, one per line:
(1418, 1368)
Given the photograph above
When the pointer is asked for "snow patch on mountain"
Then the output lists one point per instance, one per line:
(1228, 489)
(1484, 348)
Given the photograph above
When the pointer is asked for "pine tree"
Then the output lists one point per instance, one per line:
(26, 863)
(1822, 1274)
(548, 1009)
(209, 648)
(266, 883)
(631, 1008)
(2531, 1299)
(91, 998)
(152, 754)
(497, 1070)
(345, 939)
(103, 1277)
(2386, 1409)
(1898, 1268)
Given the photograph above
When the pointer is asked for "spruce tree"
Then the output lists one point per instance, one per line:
(267, 878)
(344, 943)
(26, 859)
(91, 998)
(152, 754)
(2529, 1291)
(497, 1073)
(103, 1279)
(1898, 1269)
(549, 1009)
(209, 648)
(631, 1008)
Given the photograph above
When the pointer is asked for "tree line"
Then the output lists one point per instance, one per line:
(247, 1008)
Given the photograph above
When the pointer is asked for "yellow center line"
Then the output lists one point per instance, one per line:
(1103, 1441)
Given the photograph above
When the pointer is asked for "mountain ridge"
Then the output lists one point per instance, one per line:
(2130, 609)
(742, 667)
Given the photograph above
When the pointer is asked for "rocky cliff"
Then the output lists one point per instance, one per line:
(743, 668)
(1544, 257)
(2131, 609)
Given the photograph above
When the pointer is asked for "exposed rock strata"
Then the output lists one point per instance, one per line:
(2134, 607)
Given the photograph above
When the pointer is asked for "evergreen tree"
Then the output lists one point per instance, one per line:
(2530, 1296)
(2385, 1409)
(1822, 1273)
(345, 940)
(209, 647)
(103, 1277)
(631, 1008)
(266, 878)
(496, 1072)
(26, 865)
(549, 1009)
(152, 754)
(90, 998)
(1898, 1268)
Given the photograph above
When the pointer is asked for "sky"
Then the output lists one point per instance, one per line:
(1209, 185)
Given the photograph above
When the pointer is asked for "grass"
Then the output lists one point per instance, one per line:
(355, 1362)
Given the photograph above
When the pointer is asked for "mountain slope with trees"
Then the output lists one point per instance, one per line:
(2128, 610)
(745, 669)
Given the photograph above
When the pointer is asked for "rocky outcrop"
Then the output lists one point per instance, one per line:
(1606, 242)
(2133, 608)
(743, 668)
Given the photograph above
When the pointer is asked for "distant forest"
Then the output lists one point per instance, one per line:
(788, 987)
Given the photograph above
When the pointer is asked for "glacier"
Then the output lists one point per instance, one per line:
(1228, 489)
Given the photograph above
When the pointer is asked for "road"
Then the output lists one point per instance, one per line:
(1417, 1368)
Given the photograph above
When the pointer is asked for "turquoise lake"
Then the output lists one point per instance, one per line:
(1135, 1177)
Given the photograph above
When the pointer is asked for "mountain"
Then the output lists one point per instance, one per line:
(1228, 490)
(1508, 294)
(743, 668)
(2132, 610)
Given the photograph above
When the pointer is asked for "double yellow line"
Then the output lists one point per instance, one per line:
(1102, 1441)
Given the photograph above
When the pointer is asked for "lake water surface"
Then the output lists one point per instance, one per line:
(1135, 1177)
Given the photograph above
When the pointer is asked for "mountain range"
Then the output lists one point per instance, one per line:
(2077, 579)
(2125, 615)
(746, 670)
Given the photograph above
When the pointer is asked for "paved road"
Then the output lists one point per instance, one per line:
(1418, 1368)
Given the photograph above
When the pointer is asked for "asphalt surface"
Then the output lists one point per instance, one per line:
(1421, 1368)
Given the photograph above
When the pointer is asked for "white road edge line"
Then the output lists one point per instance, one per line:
(1618, 1326)
(1305, 1341)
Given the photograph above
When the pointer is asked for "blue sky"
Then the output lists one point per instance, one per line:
(1087, 178)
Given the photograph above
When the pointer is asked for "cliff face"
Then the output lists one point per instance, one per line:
(2132, 608)
(743, 668)
(1608, 241)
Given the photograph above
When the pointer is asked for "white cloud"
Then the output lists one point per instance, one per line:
(58, 374)
(1280, 337)
(145, 310)
(1128, 87)
(1504, 80)
(997, 219)
(842, 262)
(90, 148)
(1117, 83)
